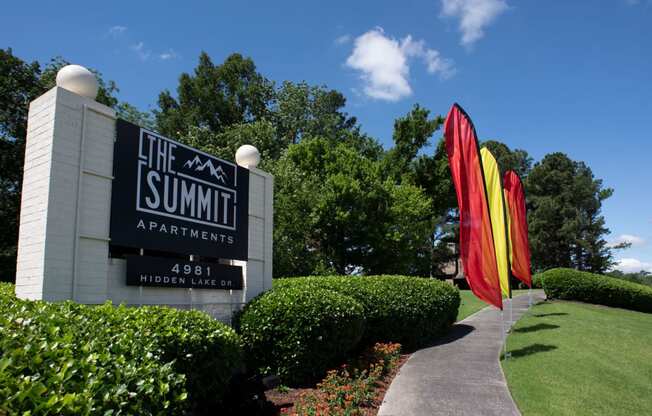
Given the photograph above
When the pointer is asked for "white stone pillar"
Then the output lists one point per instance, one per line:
(261, 217)
(65, 209)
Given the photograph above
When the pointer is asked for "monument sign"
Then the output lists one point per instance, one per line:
(114, 211)
(170, 197)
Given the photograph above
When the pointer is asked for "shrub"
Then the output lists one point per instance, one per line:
(205, 350)
(571, 284)
(7, 289)
(67, 358)
(537, 281)
(642, 277)
(55, 360)
(351, 389)
(411, 311)
(298, 333)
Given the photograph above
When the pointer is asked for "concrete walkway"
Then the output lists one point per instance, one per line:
(461, 374)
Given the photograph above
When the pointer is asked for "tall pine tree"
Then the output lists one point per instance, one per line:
(565, 222)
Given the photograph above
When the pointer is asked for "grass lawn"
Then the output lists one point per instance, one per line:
(470, 304)
(579, 359)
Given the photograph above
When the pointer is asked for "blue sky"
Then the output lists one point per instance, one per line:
(564, 76)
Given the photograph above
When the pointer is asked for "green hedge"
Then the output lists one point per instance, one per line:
(66, 358)
(205, 350)
(299, 333)
(412, 311)
(571, 284)
(7, 289)
(537, 283)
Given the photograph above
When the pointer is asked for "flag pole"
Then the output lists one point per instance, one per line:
(509, 286)
(510, 315)
(503, 334)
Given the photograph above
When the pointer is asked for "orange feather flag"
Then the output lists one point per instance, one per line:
(518, 232)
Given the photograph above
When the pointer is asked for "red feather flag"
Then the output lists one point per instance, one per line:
(518, 235)
(476, 241)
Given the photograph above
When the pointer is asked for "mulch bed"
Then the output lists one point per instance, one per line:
(284, 400)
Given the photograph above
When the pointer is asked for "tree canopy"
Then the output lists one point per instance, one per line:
(517, 160)
(343, 203)
(565, 222)
(215, 97)
(336, 211)
(20, 83)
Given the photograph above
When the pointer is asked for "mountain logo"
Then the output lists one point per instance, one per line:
(200, 166)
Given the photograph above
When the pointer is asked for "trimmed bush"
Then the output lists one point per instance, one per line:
(7, 289)
(537, 282)
(572, 284)
(411, 311)
(205, 350)
(66, 358)
(299, 333)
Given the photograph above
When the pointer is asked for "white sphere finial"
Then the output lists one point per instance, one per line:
(247, 156)
(77, 79)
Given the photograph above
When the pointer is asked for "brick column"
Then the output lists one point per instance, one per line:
(66, 199)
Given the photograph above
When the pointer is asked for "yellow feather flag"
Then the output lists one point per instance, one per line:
(498, 215)
(510, 243)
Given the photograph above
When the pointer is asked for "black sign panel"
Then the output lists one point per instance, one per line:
(167, 196)
(156, 271)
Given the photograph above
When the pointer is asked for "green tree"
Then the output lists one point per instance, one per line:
(411, 135)
(517, 160)
(310, 111)
(565, 222)
(220, 107)
(335, 211)
(130, 113)
(215, 97)
(408, 162)
(261, 134)
(20, 83)
(642, 277)
(432, 174)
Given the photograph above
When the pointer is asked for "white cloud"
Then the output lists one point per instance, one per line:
(384, 63)
(116, 31)
(634, 240)
(140, 50)
(435, 64)
(629, 265)
(474, 16)
(170, 54)
(341, 40)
